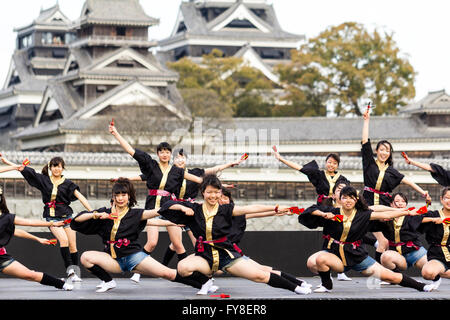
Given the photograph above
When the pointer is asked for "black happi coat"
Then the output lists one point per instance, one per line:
(153, 175)
(350, 230)
(7, 228)
(127, 226)
(391, 179)
(401, 230)
(64, 196)
(201, 226)
(437, 236)
(189, 189)
(237, 229)
(319, 180)
(441, 175)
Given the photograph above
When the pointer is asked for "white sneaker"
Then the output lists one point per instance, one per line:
(436, 284)
(302, 290)
(429, 287)
(306, 284)
(320, 285)
(100, 285)
(136, 277)
(321, 289)
(67, 287)
(70, 272)
(76, 278)
(107, 286)
(343, 277)
(206, 287)
(213, 289)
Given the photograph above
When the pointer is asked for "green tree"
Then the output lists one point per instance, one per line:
(345, 67)
(233, 82)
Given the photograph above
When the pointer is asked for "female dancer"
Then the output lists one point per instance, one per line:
(380, 177)
(322, 180)
(188, 192)
(164, 182)
(10, 266)
(57, 194)
(349, 224)
(439, 174)
(211, 222)
(437, 235)
(405, 247)
(119, 227)
(239, 224)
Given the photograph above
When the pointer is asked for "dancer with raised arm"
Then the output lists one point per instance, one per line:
(164, 182)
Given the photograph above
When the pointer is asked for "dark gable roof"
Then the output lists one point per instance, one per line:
(437, 102)
(44, 15)
(120, 12)
(197, 25)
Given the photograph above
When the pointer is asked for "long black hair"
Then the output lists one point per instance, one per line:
(390, 160)
(123, 185)
(351, 192)
(53, 163)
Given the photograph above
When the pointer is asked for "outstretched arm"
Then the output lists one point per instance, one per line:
(149, 214)
(424, 166)
(222, 167)
(291, 164)
(264, 214)
(192, 177)
(26, 235)
(83, 200)
(10, 165)
(36, 223)
(379, 207)
(125, 145)
(241, 210)
(417, 188)
(382, 215)
(365, 130)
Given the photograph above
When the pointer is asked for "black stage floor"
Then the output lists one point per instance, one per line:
(359, 288)
(246, 299)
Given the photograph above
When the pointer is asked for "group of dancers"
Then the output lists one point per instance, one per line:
(215, 226)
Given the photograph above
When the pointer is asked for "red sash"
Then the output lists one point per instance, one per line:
(200, 242)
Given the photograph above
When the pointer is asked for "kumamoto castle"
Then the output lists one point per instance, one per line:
(68, 79)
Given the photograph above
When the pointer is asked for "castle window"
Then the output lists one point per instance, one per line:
(121, 31)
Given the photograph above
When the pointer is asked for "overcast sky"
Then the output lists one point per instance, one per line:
(420, 27)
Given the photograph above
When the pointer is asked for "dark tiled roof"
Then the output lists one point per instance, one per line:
(197, 25)
(435, 102)
(115, 12)
(348, 129)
